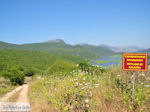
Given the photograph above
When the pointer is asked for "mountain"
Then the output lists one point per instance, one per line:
(125, 49)
(82, 50)
(144, 51)
(101, 50)
(55, 41)
(58, 46)
(4, 45)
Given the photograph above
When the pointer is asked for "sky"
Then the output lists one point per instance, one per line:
(109, 22)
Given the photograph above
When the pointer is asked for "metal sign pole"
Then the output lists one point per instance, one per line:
(133, 84)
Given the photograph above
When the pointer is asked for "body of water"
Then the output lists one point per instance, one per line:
(110, 61)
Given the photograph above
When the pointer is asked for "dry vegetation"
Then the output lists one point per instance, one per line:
(108, 91)
(5, 86)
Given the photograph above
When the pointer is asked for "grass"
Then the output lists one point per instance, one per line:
(81, 92)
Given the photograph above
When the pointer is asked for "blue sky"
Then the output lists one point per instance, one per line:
(110, 22)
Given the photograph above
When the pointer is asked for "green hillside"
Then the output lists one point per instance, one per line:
(4, 45)
(100, 50)
(15, 64)
(61, 48)
(32, 59)
(84, 51)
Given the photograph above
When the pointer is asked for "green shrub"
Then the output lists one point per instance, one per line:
(85, 67)
(29, 72)
(15, 76)
(17, 79)
(60, 67)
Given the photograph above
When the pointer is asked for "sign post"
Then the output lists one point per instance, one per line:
(133, 84)
(135, 62)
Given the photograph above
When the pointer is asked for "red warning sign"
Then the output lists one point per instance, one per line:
(135, 61)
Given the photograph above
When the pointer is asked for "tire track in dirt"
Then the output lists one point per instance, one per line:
(20, 100)
(23, 96)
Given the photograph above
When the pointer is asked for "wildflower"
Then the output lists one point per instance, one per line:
(84, 79)
(147, 85)
(90, 95)
(80, 84)
(39, 77)
(87, 84)
(118, 75)
(65, 108)
(96, 85)
(75, 79)
(130, 107)
(82, 88)
(87, 101)
(77, 83)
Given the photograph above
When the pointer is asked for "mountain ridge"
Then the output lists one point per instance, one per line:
(55, 41)
(60, 47)
(119, 49)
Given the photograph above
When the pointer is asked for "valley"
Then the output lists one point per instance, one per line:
(63, 80)
(74, 56)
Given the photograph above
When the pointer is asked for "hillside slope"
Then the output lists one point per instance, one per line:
(39, 61)
(60, 47)
(144, 51)
(4, 45)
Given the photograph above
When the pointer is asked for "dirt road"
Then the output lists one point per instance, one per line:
(22, 97)
(19, 100)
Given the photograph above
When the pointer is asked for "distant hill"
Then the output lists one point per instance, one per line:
(125, 49)
(55, 41)
(61, 48)
(100, 50)
(58, 46)
(4, 45)
(145, 51)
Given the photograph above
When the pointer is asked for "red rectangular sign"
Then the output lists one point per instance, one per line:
(135, 61)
